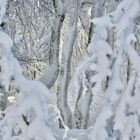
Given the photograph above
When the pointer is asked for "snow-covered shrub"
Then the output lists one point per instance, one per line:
(30, 117)
(119, 115)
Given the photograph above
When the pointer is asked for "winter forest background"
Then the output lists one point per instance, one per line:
(70, 70)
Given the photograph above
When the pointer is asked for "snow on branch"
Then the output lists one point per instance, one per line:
(118, 116)
(31, 116)
(2, 9)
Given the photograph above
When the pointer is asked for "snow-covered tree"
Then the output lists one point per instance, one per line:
(96, 99)
(118, 117)
(33, 103)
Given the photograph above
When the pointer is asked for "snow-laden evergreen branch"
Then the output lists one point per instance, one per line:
(33, 109)
(118, 117)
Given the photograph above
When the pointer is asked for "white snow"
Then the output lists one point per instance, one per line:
(28, 118)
